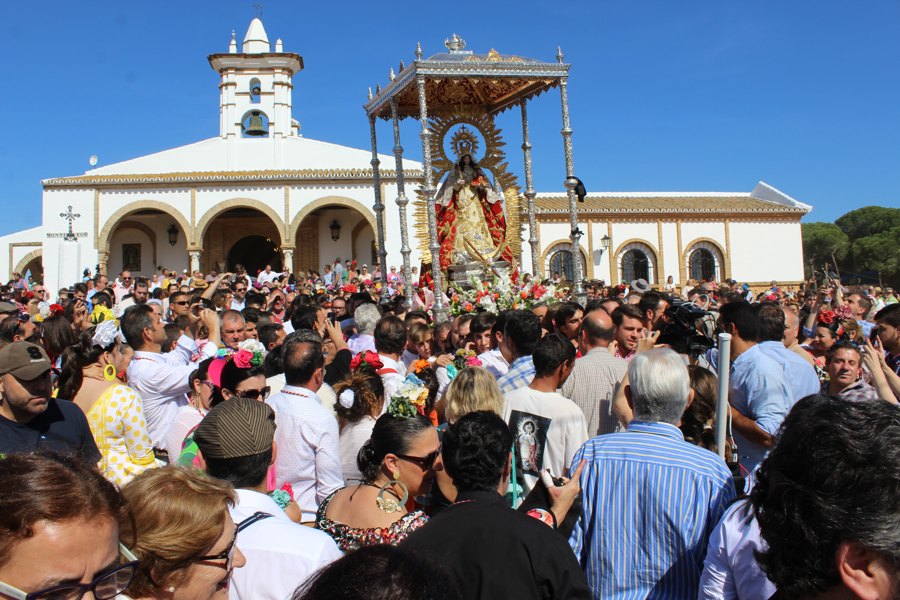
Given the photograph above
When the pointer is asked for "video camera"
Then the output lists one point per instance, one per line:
(690, 330)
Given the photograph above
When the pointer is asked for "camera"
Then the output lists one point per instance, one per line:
(690, 329)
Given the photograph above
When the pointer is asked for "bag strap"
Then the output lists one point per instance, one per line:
(254, 518)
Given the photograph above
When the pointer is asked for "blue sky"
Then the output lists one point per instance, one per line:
(684, 95)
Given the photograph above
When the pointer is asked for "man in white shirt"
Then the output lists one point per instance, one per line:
(390, 340)
(548, 428)
(486, 330)
(123, 286)
(307, 435)
(162, 380)
(239, 289)
(267, 276)
(236, 443)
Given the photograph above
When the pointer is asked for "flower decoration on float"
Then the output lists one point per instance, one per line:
(368, 357)
(409, 399)
(499, 293)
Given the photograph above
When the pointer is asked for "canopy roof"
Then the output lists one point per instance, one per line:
(493, 81)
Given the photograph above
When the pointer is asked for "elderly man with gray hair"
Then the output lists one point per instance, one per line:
(365, 316)
(650, 498)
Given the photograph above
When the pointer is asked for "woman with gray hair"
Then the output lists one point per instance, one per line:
(365, 316)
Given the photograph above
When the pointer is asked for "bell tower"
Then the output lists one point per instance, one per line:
(255, 87)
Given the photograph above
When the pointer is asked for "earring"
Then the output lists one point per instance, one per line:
(171, 589)
(391, 505)
(109, 372)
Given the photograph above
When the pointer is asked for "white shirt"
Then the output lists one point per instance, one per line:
(263, 278)
(162, 382)
(558, 431)
(281, 555)
(236, 304)
(353, 436)
(186, 418)
(493, 361)
(308, 448)
(391, 381)
(361, 342)
(408, 358)
(730, 570)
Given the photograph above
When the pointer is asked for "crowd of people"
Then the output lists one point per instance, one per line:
(191, 436)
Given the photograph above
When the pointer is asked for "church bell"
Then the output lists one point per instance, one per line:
(255, 127)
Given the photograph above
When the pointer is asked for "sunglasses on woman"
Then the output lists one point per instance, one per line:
(227, 555)
(108, 584)
(423, 462)
(254, 394)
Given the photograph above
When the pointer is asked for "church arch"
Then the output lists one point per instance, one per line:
(29, 261)
(339, 201)
(704, 259)
(105, 235)
(222, 207)
(636, 259)
(559, 254)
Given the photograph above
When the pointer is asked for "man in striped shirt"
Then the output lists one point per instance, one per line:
(650, 498)
(520, 337)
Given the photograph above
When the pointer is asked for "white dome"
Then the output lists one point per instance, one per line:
(256, 41)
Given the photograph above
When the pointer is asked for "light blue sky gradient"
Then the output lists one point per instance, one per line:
(665, 95)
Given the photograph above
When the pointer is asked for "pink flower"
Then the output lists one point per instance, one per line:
(242, 359)
(473, 361)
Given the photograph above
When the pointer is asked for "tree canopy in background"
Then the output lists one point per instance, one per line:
(865, 243)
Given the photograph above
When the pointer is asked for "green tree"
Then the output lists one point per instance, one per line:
(868, 220)
(821, 241)
(879, 252)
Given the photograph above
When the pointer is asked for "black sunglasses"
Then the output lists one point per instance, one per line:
(181, 303)
(105, 586)
(254, 394)
(423, 462)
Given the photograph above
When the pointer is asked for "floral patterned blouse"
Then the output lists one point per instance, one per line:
(352, 538)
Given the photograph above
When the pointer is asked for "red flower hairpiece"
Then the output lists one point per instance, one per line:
(368, 357)
(826, 317)
(56, 309)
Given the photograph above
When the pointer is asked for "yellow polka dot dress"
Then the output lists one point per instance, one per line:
(120, 431)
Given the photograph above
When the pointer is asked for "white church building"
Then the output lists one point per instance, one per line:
(259, 192)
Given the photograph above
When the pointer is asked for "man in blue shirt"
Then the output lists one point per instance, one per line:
(801, 375)
(520, 337)
(759, 391)
(650, 499)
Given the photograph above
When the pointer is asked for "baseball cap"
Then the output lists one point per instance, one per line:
(24, 360)
(8, 307)
(235, 428)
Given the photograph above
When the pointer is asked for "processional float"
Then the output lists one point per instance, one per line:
(455, 95)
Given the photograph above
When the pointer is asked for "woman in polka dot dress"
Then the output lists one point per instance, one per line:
(114, 410)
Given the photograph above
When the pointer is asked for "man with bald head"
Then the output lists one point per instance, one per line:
(596, 375)
(791, 331)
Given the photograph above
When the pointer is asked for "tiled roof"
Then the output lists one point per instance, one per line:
(666, 202)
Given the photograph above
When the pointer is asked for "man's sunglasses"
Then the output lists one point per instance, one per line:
(181, 302)
(423, 462)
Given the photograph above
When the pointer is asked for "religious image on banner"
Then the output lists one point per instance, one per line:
(530, 433)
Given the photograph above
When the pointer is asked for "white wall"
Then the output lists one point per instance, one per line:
(761, 252)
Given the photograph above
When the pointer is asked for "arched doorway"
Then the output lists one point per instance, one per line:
(254, 252)
(636, 260)
(240, 235)
(145, 241)
(704, 261)
(334, 231)
(32, 266)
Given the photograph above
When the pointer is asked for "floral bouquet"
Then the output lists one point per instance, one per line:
(408, 401)
(466, 358)
(500, 293)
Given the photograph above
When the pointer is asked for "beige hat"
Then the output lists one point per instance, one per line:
(24, 360)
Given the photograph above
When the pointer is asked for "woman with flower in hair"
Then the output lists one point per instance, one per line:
(114, 411)
(360, 400)
(828, 330)
(397, 465)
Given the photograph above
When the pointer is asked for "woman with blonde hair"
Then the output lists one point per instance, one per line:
(182, 533)
(472, 389)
